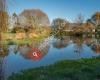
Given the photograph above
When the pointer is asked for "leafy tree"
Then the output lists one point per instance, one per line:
(14, 15)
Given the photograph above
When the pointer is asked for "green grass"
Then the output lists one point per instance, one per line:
(83, 69)
(23, 41)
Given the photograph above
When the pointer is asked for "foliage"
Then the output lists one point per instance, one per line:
(17, 29)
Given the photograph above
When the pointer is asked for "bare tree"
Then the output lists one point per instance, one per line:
(79, 20)
(59, 24)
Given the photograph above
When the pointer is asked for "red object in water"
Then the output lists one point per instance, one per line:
(35, 54)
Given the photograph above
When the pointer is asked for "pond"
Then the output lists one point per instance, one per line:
(51, 50)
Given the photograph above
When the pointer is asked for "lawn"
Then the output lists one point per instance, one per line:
(83, 69)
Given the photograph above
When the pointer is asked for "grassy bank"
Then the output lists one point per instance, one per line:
(24, 41)
(6, 39)
(83, 69)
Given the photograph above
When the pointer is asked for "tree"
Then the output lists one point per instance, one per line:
(3, 17)
(59, 25)
(79, 20)
(14, 15)
(3, 21)
(95, 19)
(89, 27)
(34, 17)
(78, 27)
(15, 19)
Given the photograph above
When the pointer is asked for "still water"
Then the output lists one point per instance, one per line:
(53, 50)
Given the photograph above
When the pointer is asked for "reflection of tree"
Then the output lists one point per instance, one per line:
(2, 76)
(94, 43)
(88, 41)
(3, 50)
(44, 46)
(78, 41)
(26, 49)
(3, 53)
(78, 44)
(95, 46)
(13, 49)
(57, 36)
(61, 43)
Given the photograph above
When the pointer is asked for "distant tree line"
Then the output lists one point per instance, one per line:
(91, 26)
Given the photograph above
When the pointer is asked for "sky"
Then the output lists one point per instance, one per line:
(67, 9)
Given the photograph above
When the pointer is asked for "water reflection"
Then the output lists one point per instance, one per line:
(61, 43)
(27, 50)
(51, 50)
(95, 46)
(3, 54)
